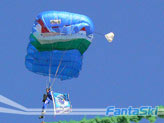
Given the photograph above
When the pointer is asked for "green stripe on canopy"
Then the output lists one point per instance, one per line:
(79, 44)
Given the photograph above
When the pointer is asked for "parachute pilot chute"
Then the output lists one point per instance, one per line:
(109, 36)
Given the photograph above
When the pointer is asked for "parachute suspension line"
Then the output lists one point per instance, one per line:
(55, 75)
(50, 65)
(56, 78)
(98, 33)
(53, 81)
(51, 55)
(61, 60)
(70, 34)
(50, 68)
(109, 36)
(47, 84)
(58, 70)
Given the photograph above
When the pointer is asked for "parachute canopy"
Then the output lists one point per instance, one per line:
(56, 63)
(57, 43)
(62, 31)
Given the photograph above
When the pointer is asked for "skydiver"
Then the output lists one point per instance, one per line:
(46, 100)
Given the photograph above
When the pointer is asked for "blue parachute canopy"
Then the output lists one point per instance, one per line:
(72, 22)
(60, 64)
(57, 43)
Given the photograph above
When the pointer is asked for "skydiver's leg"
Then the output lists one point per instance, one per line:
(45, 105)
(47, 101)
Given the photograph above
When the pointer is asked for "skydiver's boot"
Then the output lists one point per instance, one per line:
(42, 116)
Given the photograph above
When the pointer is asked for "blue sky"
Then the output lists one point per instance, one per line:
(127, 72)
